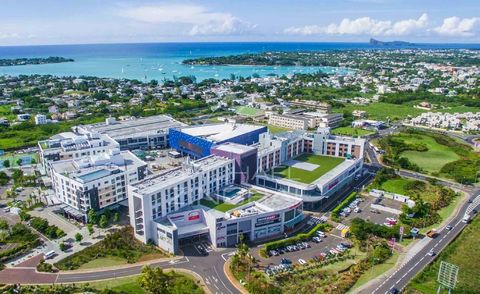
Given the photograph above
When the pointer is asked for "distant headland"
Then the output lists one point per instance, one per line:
(25, 61)
(390, 43)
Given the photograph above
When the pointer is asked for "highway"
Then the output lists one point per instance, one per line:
(402, 276)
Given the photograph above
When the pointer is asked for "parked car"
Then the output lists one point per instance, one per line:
(286, 261)
(301, 261)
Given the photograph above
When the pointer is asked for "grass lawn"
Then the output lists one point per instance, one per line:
(462, 252)
(431, 160)
(349, 131)
(104, 262)
(223, 206)
(376, 271)
(396, 186)
(126, 284)
(383, 111)
(325, 164)
(249, 111)
(275, 129)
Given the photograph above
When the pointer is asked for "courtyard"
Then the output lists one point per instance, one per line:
(307, 168)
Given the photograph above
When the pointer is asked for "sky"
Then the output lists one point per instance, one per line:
(34, 22)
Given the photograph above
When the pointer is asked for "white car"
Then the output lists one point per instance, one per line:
(301, 261)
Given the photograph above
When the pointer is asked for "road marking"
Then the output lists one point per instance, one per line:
(228, 254)
(215, 269)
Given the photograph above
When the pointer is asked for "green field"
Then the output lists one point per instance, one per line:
(349, 131)
(463, 252)
(384, 111)
(431, 160)
(224, 207)
(6, 112)
(326, 163)
(397, 186)
(249, 111)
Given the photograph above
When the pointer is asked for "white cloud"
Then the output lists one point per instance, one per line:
(455, 26)
(408, 26)
(201, 20)
(364, 26)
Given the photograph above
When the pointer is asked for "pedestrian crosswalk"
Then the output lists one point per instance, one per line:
(318, 220)
(341, 227)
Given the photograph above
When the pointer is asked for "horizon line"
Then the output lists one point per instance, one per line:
(237, 42)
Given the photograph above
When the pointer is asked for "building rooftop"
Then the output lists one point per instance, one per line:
(234, 148)
(220, 132)
(68, 141)
(121, 129)
(153, 183)
(95, 167)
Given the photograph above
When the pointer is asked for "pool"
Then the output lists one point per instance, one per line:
(94, 175)
(230, 192)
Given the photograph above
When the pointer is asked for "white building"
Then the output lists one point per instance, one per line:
(268, 216)
(95, 182)
(68, 145)
(283, 149)
(134, 133)
(305, 120)
(40, 119)
(165, 193)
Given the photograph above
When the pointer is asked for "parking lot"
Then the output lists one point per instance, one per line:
(377, 216)
(327, 243)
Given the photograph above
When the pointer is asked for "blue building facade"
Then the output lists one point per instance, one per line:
(198, 147)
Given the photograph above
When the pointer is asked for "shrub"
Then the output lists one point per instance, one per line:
(336, 211)
(44, 267)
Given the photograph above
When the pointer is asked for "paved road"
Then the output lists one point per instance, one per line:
(210, 268)
(401, 277)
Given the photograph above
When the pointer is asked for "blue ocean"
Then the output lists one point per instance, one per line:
(161, 61)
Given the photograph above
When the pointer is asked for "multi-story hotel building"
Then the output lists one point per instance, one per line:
(68, 145)
(95, 182)
(165, 193)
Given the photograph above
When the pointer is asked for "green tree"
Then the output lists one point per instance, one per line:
(78, 237)
(3, 224)
(103, 221)
(116, 217)
(19, 162)
(90, 229)
(154, 280)
(6, 163)
(63, 246)
(92, 216)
